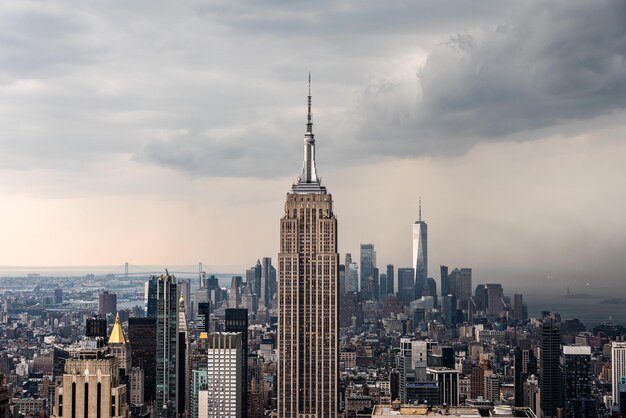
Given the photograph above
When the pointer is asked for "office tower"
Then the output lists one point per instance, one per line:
(549, 382)
(253, 278)
(481, 297)
(183, 395)
(460, 281)
(58, 296)
(5, 410)
(119, 347)
(308, 317)
(577, 382)
(382, 284)
(234, 296)
(420, 253)
(391, 286)
(167, 345)
(431, 290)
(91, 386)
(150, 295)
(492, 388)
(618, 367)
(96, 326)
(525, 365)
(449, 311)
(368, 264)
(203, 316)
(225, 375)
(107, 303)
(268, 282)
(495, 295)
(620, 404)
(406, 285)
(352, 277)
(448, 381)
(518, 307)
(446, 289)
(236, 320)
(142, 336)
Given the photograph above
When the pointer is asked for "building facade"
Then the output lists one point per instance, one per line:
(308, 317)
(224, 375)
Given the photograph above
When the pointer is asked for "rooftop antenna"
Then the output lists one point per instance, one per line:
(420, 209)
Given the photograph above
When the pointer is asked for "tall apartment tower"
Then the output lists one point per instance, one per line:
(550, 379)
(167, 345)
(420, 252)
(224, 375)
(308, 317)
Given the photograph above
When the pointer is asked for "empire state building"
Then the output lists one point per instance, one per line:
(308, 317)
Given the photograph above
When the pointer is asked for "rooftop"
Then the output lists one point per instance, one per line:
(453, 411)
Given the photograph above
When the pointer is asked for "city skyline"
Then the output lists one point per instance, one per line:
(112, 147)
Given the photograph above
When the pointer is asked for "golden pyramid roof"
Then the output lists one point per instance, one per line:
(117, 334)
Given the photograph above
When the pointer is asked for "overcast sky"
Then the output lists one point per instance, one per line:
(161, 132)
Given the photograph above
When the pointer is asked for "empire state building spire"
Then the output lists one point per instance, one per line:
(309, 182)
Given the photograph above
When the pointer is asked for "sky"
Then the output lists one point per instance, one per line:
(168, 133)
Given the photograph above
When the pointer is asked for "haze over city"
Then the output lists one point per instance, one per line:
(170, 135)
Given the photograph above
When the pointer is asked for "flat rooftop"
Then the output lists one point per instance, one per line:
(453, 411)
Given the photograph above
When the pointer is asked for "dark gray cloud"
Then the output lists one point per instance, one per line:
(218, 89)
(552, 63)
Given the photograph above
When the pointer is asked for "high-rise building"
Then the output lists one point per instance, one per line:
(518, 307)
(391, 286)
(446, 289)
(224, 375)
(96, 326)
(142, 336)
(268, 282)
(406, 285)
(308, 317)
(183, 396)
(448, 380)
(91, 386)
(368, 264)
(618, 367)
(352, 277)
(462, 285)
(236, 320)
(107, 303)
(550, 380)
(119, 347)
(167, 345)
(577, 382)
(253, 278)
(431, 289)
(420, 253)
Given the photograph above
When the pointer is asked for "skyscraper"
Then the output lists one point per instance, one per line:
(618, 368)
(577, 382)
(550, 383)
(142, 336)
(183, 375)
(368, 265)
(224, 375)
(390, 279)
(167, 345)
(236, 320)
(406, 285)
(420, 253)
(308, 320)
